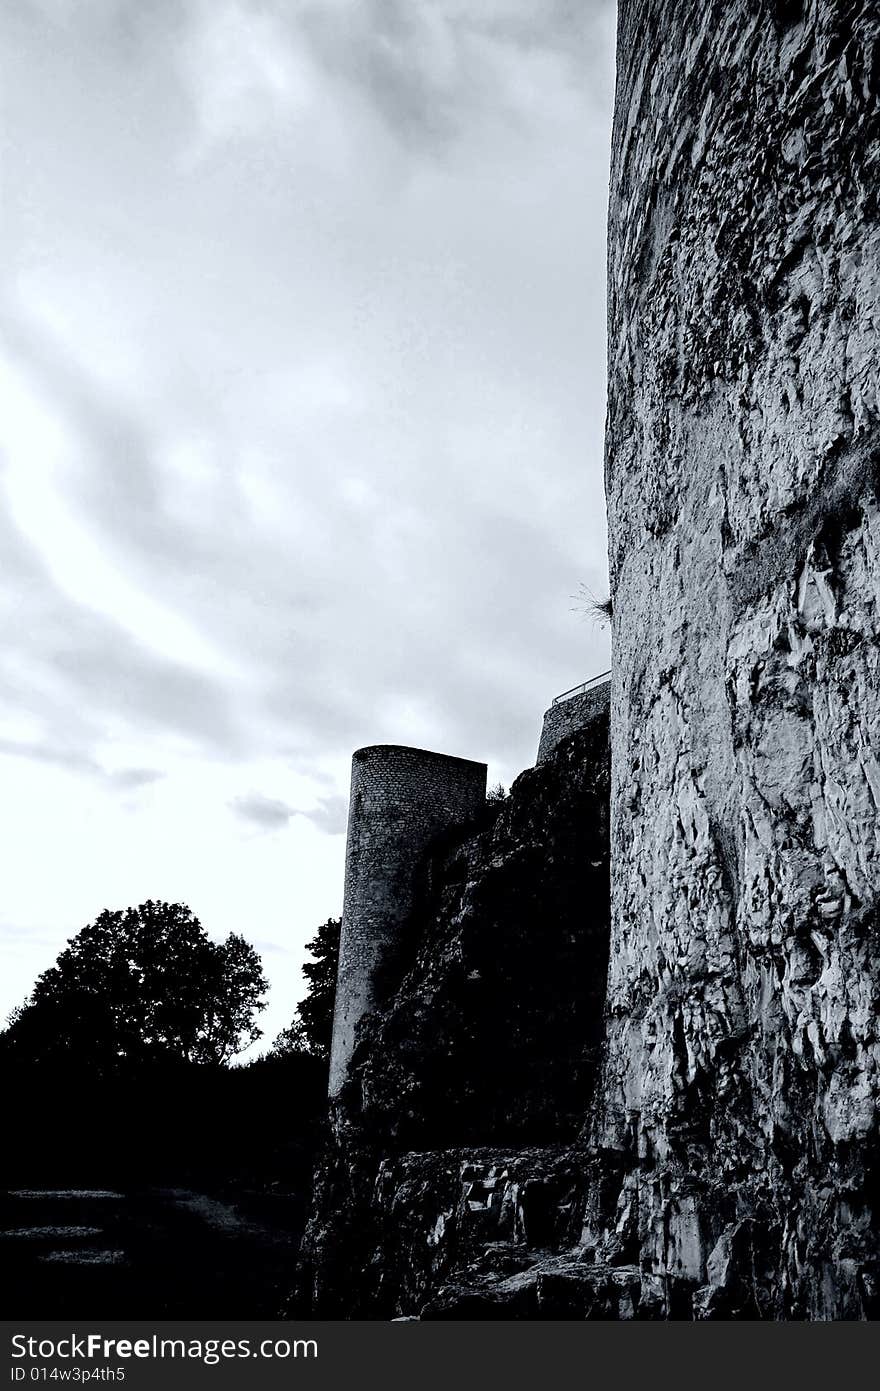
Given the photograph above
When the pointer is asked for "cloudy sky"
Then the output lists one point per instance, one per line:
(301, 407)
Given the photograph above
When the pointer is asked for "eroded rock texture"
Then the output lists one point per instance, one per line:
(453, 1154)
(741, 1086)
(728, 1163)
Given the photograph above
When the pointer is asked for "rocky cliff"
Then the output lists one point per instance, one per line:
(455, 1133)
(728, 1164)
(741, 1081)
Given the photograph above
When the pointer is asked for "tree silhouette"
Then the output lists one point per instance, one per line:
(312, 1024)
(142, 984)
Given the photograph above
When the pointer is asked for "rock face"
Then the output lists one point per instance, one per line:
(739, 1102)
(455, 1130)
(728, 1165)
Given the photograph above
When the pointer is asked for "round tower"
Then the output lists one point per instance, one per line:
(401, 800)
(572, 710)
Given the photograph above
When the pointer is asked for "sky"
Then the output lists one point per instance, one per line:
(302, 393)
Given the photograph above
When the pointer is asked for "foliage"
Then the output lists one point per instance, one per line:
(312, 1025)
(588, 604)
(138, 985)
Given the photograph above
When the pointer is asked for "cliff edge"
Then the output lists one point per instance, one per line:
(725, 1163)
(467, 1088)
(742, 1071)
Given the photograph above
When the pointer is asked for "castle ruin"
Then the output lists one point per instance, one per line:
(573, 710)
(402, 799)
(728, 1163)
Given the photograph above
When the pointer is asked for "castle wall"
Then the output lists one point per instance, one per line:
(743, 1069)
(564, 717)
(401, 800)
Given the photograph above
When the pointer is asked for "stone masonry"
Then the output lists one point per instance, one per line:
(401, 800)
(574, 712)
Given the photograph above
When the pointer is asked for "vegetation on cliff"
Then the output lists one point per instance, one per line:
(486, 1034)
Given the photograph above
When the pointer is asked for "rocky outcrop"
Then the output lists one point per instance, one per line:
(728, 1165)
(743, 1058)
(508, 951)
(475, 1071)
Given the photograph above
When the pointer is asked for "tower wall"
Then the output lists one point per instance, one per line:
(565, 716)
(401, 800)
(743, 1066)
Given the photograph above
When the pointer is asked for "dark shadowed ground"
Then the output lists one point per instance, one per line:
(179, 1193)
(149, 1252)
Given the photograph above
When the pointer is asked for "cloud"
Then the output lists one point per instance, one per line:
(266, 812)
(70, 759)
(73, 760)
(270, 813)
(330, 815)
(429, 73)
(133, 778)
(302, 316)
(244, 73)
(433, 71)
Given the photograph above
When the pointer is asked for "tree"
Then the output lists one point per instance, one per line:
(312, 1025)
(142, 984)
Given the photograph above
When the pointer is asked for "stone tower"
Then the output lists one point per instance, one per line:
(573, 710)
(401, 800)
(743, 1070)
